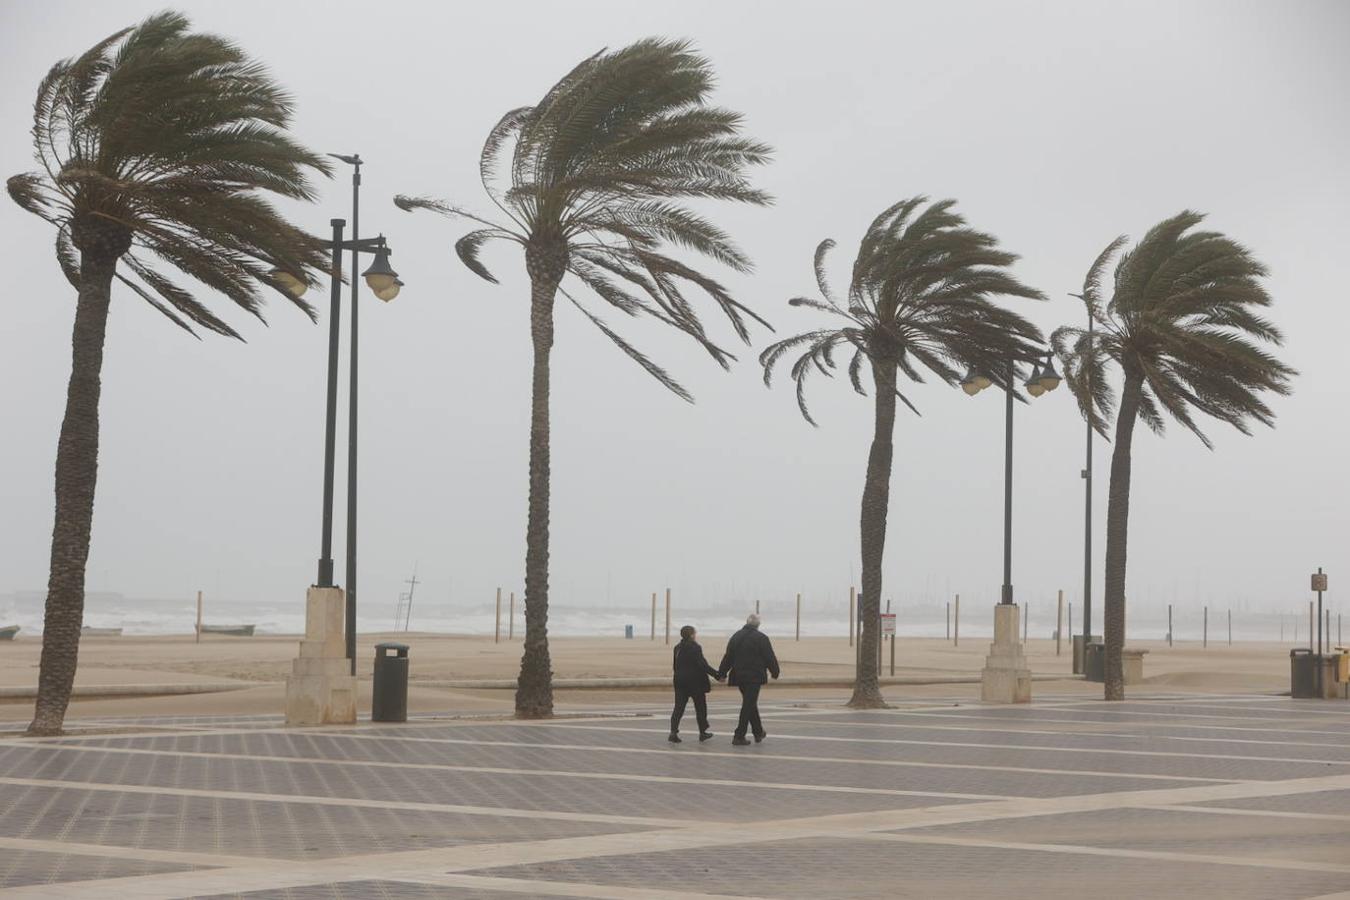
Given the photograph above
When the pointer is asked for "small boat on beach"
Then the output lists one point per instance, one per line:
(91, 631)
(7, 632)
(233, 630)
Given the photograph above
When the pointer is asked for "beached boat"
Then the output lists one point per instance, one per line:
(235, 630)
(91, 631)
(7, 633)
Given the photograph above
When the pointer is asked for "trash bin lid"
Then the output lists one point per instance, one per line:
(399, 649)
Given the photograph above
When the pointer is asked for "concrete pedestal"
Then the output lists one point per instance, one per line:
(1006, 678)
(321, 689)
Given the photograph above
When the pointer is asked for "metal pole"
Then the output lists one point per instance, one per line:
(511, 618)
(199, 617)
(1319, 618)
(893, 637)
(497, 628)
(1230, 628)
(330, 423)
(956, 623)
(1310, 625)
(653, 615)
(351, 428)
(799, 617)
(1169, 624)
(1059, 622)
(667, 617)
(851, 616)
(1007, 492)
(1087, 521)
(1204, 635)
(949, 620)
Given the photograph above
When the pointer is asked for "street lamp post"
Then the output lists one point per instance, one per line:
(1006, 677)
(1087, 501)
(384, 282)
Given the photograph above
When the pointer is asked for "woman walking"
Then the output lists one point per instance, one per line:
(691, 681)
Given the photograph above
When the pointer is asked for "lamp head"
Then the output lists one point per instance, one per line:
(1033, 384)
(296, 287)
(971, 383)
(390, 292)
(380, 276)
(1049, 377)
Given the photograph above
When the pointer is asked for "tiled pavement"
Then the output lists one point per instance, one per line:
(1179, 795)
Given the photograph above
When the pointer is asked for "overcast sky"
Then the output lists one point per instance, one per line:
(1057, 126)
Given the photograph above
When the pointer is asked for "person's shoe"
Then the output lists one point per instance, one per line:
(761, 736)
(740, 741)
(705, 736)
(674, 738)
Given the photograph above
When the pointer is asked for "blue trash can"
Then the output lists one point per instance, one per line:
(628, 632)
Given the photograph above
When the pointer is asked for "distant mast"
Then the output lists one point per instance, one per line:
(405, 600)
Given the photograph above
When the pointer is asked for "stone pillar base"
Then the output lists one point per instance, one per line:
(1006, 677)
(321, 689)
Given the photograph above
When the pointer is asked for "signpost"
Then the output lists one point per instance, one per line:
(1319, 584)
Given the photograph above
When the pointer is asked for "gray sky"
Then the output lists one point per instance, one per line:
(1056, 126)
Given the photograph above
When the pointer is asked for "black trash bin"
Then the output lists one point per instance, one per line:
(1302, 673)
(389, 694)
(1094, 662)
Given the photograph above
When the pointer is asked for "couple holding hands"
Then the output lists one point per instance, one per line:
(748, 663)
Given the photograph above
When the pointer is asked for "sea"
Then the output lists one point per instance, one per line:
(177, 615)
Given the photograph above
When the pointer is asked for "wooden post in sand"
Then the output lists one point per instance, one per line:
(511, 618)
(653, 615)
(956, 623)
(1204, 633)
(949, 620)
(667, 617)
(199, 617)
(1059, 622)
(1026, 620)
(799, 617)
(1230, 628)
(852, 616)
(497, 627)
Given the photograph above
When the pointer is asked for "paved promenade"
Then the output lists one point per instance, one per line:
(1168, 796)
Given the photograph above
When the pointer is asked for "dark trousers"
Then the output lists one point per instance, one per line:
(749, 710)
(700, 710)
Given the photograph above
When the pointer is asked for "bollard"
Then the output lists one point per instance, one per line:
(389, 690)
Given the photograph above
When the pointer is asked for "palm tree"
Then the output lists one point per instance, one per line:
(152, 145)
(589, 192)
(1182, 329)
(920, 296)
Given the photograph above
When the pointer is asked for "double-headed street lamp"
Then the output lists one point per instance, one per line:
(384, 282)
(1043, 378)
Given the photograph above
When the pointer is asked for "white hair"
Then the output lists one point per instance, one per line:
(752, 620)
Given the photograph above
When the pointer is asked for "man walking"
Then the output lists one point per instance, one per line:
(749, 660)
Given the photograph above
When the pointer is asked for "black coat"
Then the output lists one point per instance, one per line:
(749, 657)
(691, 669)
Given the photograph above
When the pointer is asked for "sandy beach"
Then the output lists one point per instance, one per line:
(257, 666)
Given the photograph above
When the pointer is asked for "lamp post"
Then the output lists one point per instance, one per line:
(1087, 502)
(384, 282)
(1006, 677)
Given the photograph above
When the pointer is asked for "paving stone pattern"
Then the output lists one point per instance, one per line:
(1169, 795)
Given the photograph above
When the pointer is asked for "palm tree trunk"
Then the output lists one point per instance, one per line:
(1117, 528)
(876, 500)
(76, 474)
(534, 690)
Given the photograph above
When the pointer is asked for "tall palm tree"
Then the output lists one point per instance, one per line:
(153, 145)
(920, 296)
(589, 192)
(1181, 327)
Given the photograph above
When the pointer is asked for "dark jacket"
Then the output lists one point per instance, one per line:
(749, 657)
(691, 669)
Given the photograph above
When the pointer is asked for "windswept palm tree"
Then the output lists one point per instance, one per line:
(920, 298)
(153, 147)
(590, 191)
(1182, 328)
